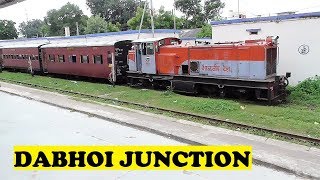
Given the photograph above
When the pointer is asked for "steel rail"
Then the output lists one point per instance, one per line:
(288, 135)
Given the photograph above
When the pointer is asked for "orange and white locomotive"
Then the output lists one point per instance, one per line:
(242, 68)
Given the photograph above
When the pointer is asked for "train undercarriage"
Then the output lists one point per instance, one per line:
(272, 90)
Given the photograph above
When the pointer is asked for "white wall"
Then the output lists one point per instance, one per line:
(292, 33)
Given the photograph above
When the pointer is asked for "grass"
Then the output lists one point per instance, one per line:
(301, 115)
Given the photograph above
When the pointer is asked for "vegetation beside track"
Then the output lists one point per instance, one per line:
(301, 115)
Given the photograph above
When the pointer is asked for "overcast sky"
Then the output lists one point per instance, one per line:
(37, 9)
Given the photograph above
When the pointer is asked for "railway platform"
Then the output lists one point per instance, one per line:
(280, 155)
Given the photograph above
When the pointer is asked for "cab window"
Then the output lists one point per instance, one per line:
(150, 49)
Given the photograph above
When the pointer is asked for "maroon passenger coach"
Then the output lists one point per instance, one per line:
(19, 57)
(87, 59)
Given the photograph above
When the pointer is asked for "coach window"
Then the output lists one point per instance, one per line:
(73, 59)
(98, 59)
(85, 59)
(61, 58)
(109, 57)
(51, 58)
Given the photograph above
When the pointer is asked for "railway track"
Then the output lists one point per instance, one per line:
(287, 135)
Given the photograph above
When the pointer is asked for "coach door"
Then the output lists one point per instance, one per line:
(42, 61)
(138, 57)
(148, 58)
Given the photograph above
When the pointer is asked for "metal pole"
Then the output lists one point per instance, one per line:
(144, 10)
(174, 18)
(77, 24)
(152, 22)
(239, 8)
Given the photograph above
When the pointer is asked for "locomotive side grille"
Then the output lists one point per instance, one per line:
(272, 61)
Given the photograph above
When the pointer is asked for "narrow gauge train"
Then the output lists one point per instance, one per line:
(245, 68)
(87, 59)
(242, 68)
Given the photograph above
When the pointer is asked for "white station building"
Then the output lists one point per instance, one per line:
(299, 40)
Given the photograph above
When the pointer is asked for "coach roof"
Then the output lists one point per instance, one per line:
(17, 45)
(83, 43)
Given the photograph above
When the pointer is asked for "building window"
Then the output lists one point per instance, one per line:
(253, 31)
(109, 57)
(73, 59)
(98, 59)
(85, 59)
(51, 58)
(36, 57)
(61, 58)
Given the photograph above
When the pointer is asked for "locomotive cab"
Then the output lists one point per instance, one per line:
(143, 56)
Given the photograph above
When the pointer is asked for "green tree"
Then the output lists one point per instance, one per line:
(162, 20)
(165, 20)
(115, 11)
(206, 31)
(97, 24)
(8, 30)
(196, 15)
(114, 27)
(134, 22)
(67, 16)
(192, 10)
(212, 9)
(31, 28)
(45, 30)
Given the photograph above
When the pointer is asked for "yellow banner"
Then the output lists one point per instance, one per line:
(132, 158)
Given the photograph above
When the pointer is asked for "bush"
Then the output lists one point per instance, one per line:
(307, 92)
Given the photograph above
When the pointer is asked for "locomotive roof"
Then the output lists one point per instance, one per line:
(152, 39)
